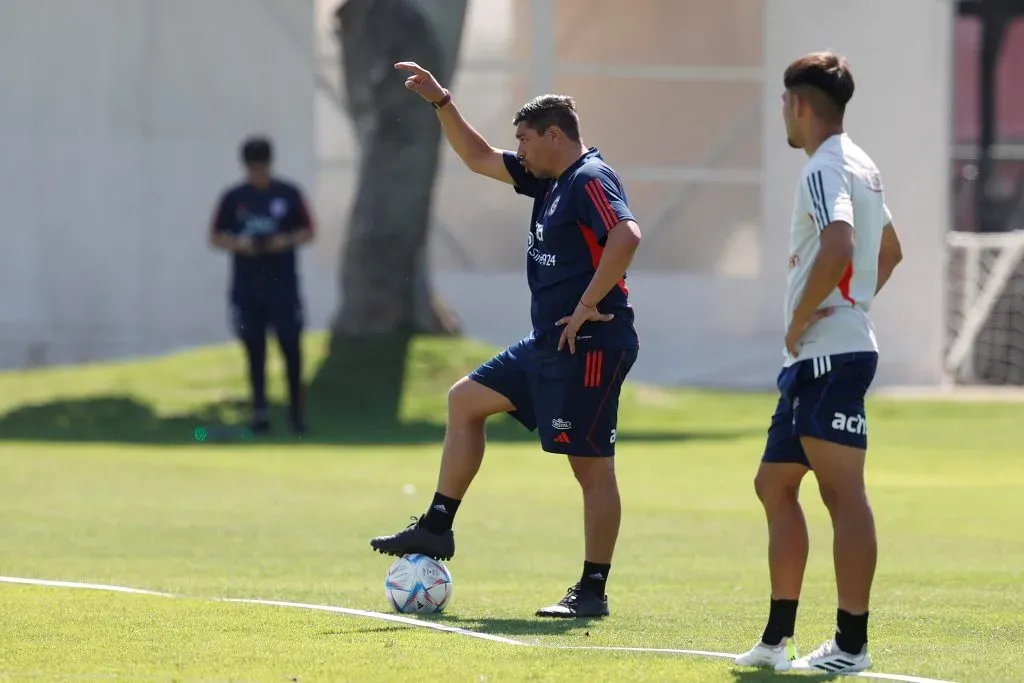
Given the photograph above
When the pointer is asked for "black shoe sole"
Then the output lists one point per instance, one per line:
(571, 616)
(436, 556)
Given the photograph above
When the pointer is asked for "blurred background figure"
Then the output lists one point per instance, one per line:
(262, 221)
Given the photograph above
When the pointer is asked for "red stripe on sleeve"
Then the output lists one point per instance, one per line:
(600, 201)
(608, 205)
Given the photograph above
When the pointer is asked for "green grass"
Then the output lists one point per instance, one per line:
(102, 481)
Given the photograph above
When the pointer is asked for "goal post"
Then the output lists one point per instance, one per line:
(985, 331)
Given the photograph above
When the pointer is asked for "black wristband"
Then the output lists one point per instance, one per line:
(443, 101)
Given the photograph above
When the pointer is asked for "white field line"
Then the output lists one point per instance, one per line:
(408, 621)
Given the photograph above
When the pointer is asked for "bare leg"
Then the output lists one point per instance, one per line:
(840, 473)
(778, 486)
(602, 510)
(469, 406)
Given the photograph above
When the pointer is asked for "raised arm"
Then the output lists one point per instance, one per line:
(472, 148)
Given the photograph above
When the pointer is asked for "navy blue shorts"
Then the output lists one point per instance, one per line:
(254, 315)
(572, 400)
(822, 398)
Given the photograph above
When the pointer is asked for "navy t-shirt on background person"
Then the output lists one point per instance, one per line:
(248, 211)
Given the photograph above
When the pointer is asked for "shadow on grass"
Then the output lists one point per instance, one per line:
(123, 419)
(768, 676)
(509, 627)
(354, 398)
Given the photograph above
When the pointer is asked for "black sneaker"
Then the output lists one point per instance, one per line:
(259, 425)
(415, 539)
(298, 425)
(577, 603)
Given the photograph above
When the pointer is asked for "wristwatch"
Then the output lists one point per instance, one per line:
(443, 101)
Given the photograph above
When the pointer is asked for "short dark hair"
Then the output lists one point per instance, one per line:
(257, 150)
(826, 73)
(545, 111)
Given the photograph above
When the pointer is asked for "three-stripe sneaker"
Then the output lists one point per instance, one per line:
(831, 659)
(779, 657)
(416, 539)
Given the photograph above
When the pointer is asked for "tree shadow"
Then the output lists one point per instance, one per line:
(124, 419)
(355, 398)
(362, 379)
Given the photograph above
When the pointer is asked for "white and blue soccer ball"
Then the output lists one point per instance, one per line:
(418, 584)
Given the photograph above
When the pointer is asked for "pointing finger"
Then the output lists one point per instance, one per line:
(563, 321)
(411, 66)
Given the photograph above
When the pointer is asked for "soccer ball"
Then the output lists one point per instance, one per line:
(418, 584)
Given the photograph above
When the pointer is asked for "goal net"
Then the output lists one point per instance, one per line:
(985, 330)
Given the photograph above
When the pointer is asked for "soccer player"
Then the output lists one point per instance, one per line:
(843, 248)
(262, 222)
(563, 379)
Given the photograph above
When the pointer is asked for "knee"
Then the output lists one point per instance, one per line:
(594, 474)
(772, 491)
(844, 497)
(461, 404)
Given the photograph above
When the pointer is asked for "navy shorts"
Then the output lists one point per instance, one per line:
(822, 398)
(572, 400)
(255, 314)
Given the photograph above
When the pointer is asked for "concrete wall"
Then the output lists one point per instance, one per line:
(121, 124)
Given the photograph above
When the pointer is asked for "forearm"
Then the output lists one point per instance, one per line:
(302, 236)
(225, 241)
(463, 138)
(886, 265)
(827, 271)
(618, 253)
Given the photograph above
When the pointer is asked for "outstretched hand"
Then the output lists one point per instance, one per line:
(421, 82)
(574, 322)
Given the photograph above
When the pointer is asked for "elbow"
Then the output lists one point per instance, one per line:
(630, 233)
(624, 239)
(891, 257)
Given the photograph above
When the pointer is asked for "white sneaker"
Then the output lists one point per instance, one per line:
(779, 657)
(830, 658)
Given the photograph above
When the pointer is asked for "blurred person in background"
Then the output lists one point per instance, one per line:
(262, 221)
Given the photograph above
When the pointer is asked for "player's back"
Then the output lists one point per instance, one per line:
(840, 182)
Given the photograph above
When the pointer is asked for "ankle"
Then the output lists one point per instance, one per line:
(851, 631)
(595, 577)
(441, 515)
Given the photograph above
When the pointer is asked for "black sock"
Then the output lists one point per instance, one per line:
(851, 631)
(594, 578)
(781, 622)
(441, 515)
